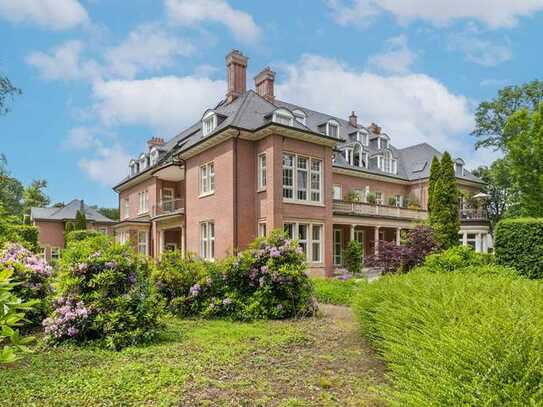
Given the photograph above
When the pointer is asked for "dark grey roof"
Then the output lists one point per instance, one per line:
(68, 212)
(251, 111)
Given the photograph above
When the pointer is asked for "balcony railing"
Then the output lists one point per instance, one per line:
(468, 214)
(366, 209)
(169, 207)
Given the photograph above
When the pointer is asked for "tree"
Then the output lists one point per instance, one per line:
(491, 116)
(11, 190)
(525, 158)
(353, 257)
(33, 196)
(111, 213)
(435, 171)
(445, 217)
(80, 221)
(7, 91)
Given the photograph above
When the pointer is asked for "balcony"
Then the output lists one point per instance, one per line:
(477, 215)
(170, 207)
(378, 211)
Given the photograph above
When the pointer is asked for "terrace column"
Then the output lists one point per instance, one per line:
(464, 238)
(478, 247)
(160, 242)
(376, 239)
(398, 236)
(182, 241)
(352, 232)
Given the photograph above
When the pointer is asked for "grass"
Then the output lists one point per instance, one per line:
(316, 361)
(334, 291)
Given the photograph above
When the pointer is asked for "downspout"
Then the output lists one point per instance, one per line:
(182, 163)
(235, 189)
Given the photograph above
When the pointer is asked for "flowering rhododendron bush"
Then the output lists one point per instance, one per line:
(266, 281)
(103, 294)
(31, 275)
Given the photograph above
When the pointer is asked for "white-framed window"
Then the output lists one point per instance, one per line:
(387, 163)
(262, 229)
(302, 178)
(261, 171)
(133, 168)
(299, 116)
(398, 200)
(337, 192)
(359, 236)
(283, 116)
(143, 242)
(167, 199)
(332, 129)
(123, 237)
(338, 247)
(310, 238)
(382, 143)
(349, 156)
(103, 230)
(209, 123)
(143, 202)
(359, 157)
(55, 253)
(207, 240)
(379, 198)
(154, 155)
(126, 210)
(363, 138)
(207, 179)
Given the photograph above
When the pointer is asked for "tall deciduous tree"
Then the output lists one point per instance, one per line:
(525, 157)
(445, 217)
(491, 116)
(11, 190)
(7, 91)
(33, 196)
(435, 171)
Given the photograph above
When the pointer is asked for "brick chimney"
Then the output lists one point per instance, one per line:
(353, 119)
(236, 70)
(264, 84)
(374, 128)
(155, 142)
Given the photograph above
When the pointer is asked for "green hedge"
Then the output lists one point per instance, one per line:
(79, 235)
(518, 243)
(28, 234)
(453, 339)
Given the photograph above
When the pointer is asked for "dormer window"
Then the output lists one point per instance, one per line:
(283, 116)
(154, 156)
(388, 163)
(349, 156)
(143, 162)
(382, 143)
(362, 138)
(209, 123)
(360, 158)
(332, 129)
(459, 167)
(132, 167)
(299, 116)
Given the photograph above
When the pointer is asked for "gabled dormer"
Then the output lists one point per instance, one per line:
(210, 121)
(459, 167)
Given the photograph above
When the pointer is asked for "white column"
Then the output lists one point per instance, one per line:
(484, 243)
(478, 243)
(352, 232)
(183, 241)
(161, 241)
(398, 236)
(464, 238)
(376, 239)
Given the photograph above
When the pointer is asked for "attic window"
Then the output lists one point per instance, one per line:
(209, 123)
(133, 169)
(362, 138)
(459, 167)
(360, 158)
(332, 129)
(143, 162)
(299, 116)
(283, 116)
(154, 156)
(382, 143)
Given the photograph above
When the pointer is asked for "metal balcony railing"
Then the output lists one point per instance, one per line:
(169, 207)
(473, 214)
(366, 209)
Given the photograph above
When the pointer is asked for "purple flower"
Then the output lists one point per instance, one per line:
(72, 331)
(279, 307)
(274, 252)
(227, 301)
(264, 269)
(195, 290)
(110, 264)
(132, 278)
(344, 277)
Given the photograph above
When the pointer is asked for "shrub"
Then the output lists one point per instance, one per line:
(12, 312)
(456, 338)
(518, 243)
(352, 196)
(353, 257)
(28, 235)
(337, 291)
(104, 295)
(456, 258)
(79, 235)
(266, 281)
(32, 275)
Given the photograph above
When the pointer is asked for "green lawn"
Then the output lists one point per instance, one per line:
(318, 361)
(334, 291)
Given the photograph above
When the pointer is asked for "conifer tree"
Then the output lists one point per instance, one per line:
(80, 221)
(435, 171)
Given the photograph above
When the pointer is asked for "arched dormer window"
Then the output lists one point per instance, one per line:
(132, 168)
(360, 157)
(283, 116)
(209, 122)
(459, 167)
(143, 162)
(388, 163)
(300, 116)
(154, 155)
(382, 142)
(349, 156)
(332, 128)
(362, 137)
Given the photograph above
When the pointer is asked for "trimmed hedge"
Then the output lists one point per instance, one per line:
(518, 243)
(79, 235)
(453, 339)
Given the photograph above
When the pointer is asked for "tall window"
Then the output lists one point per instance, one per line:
(126, 210)
(123, 237)
(262, 229)
(55, 253)
(309, 238)
(207, 240)
(299, 116)
(209, 122)
(332, 129)
(337, 192)
(316, 244)
(142, 242)
(338, 247)
(379, 198)
(261, 172)
(143, 200)
(207, 178)
(302, 178)
(349, 156)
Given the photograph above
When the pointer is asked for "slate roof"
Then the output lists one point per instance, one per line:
(251, 112)
(68, 212)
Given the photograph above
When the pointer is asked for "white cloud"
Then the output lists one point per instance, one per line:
(480, 51)
(493, 13)
(189, 12)
(411, 108)
(147, 48)
(108, 166)
(82, 138)
(168, 103)
(396, 58)
(53, 14)
(64, 63)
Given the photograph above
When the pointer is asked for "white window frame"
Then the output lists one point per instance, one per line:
(308, 241)
(207, 240)
(332, 123)
(315, 242)
(262, 171)
(55, 253)
(123, 237)
(337, 188)
(207, 179)
(284, 117)
(399, 200)
(143, 244)
(126, 210)
(337, 247)
(299, 116)
(310, 173)
(379, 198)
(349, 155)
(209, 123)
(143, 202)
(262, 229)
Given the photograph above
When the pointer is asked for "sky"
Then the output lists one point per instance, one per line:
(101, 77)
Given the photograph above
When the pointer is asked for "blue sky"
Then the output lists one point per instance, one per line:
(100, 77)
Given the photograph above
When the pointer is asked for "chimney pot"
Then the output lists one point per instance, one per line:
(155, 141)
(353, 119)
(236, 70)
(264, 84)
(375, 128)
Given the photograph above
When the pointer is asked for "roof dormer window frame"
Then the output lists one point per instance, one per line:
(380, 140)
(363, 138)
(330, 124)
(154, 154)
(283, 116)
(459, 167)
(300, 116)
(210, 122)
(143, 161)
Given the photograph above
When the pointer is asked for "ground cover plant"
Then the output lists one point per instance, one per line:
(266, 281)
(457, 338)
(337, 291)
(103, 294)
